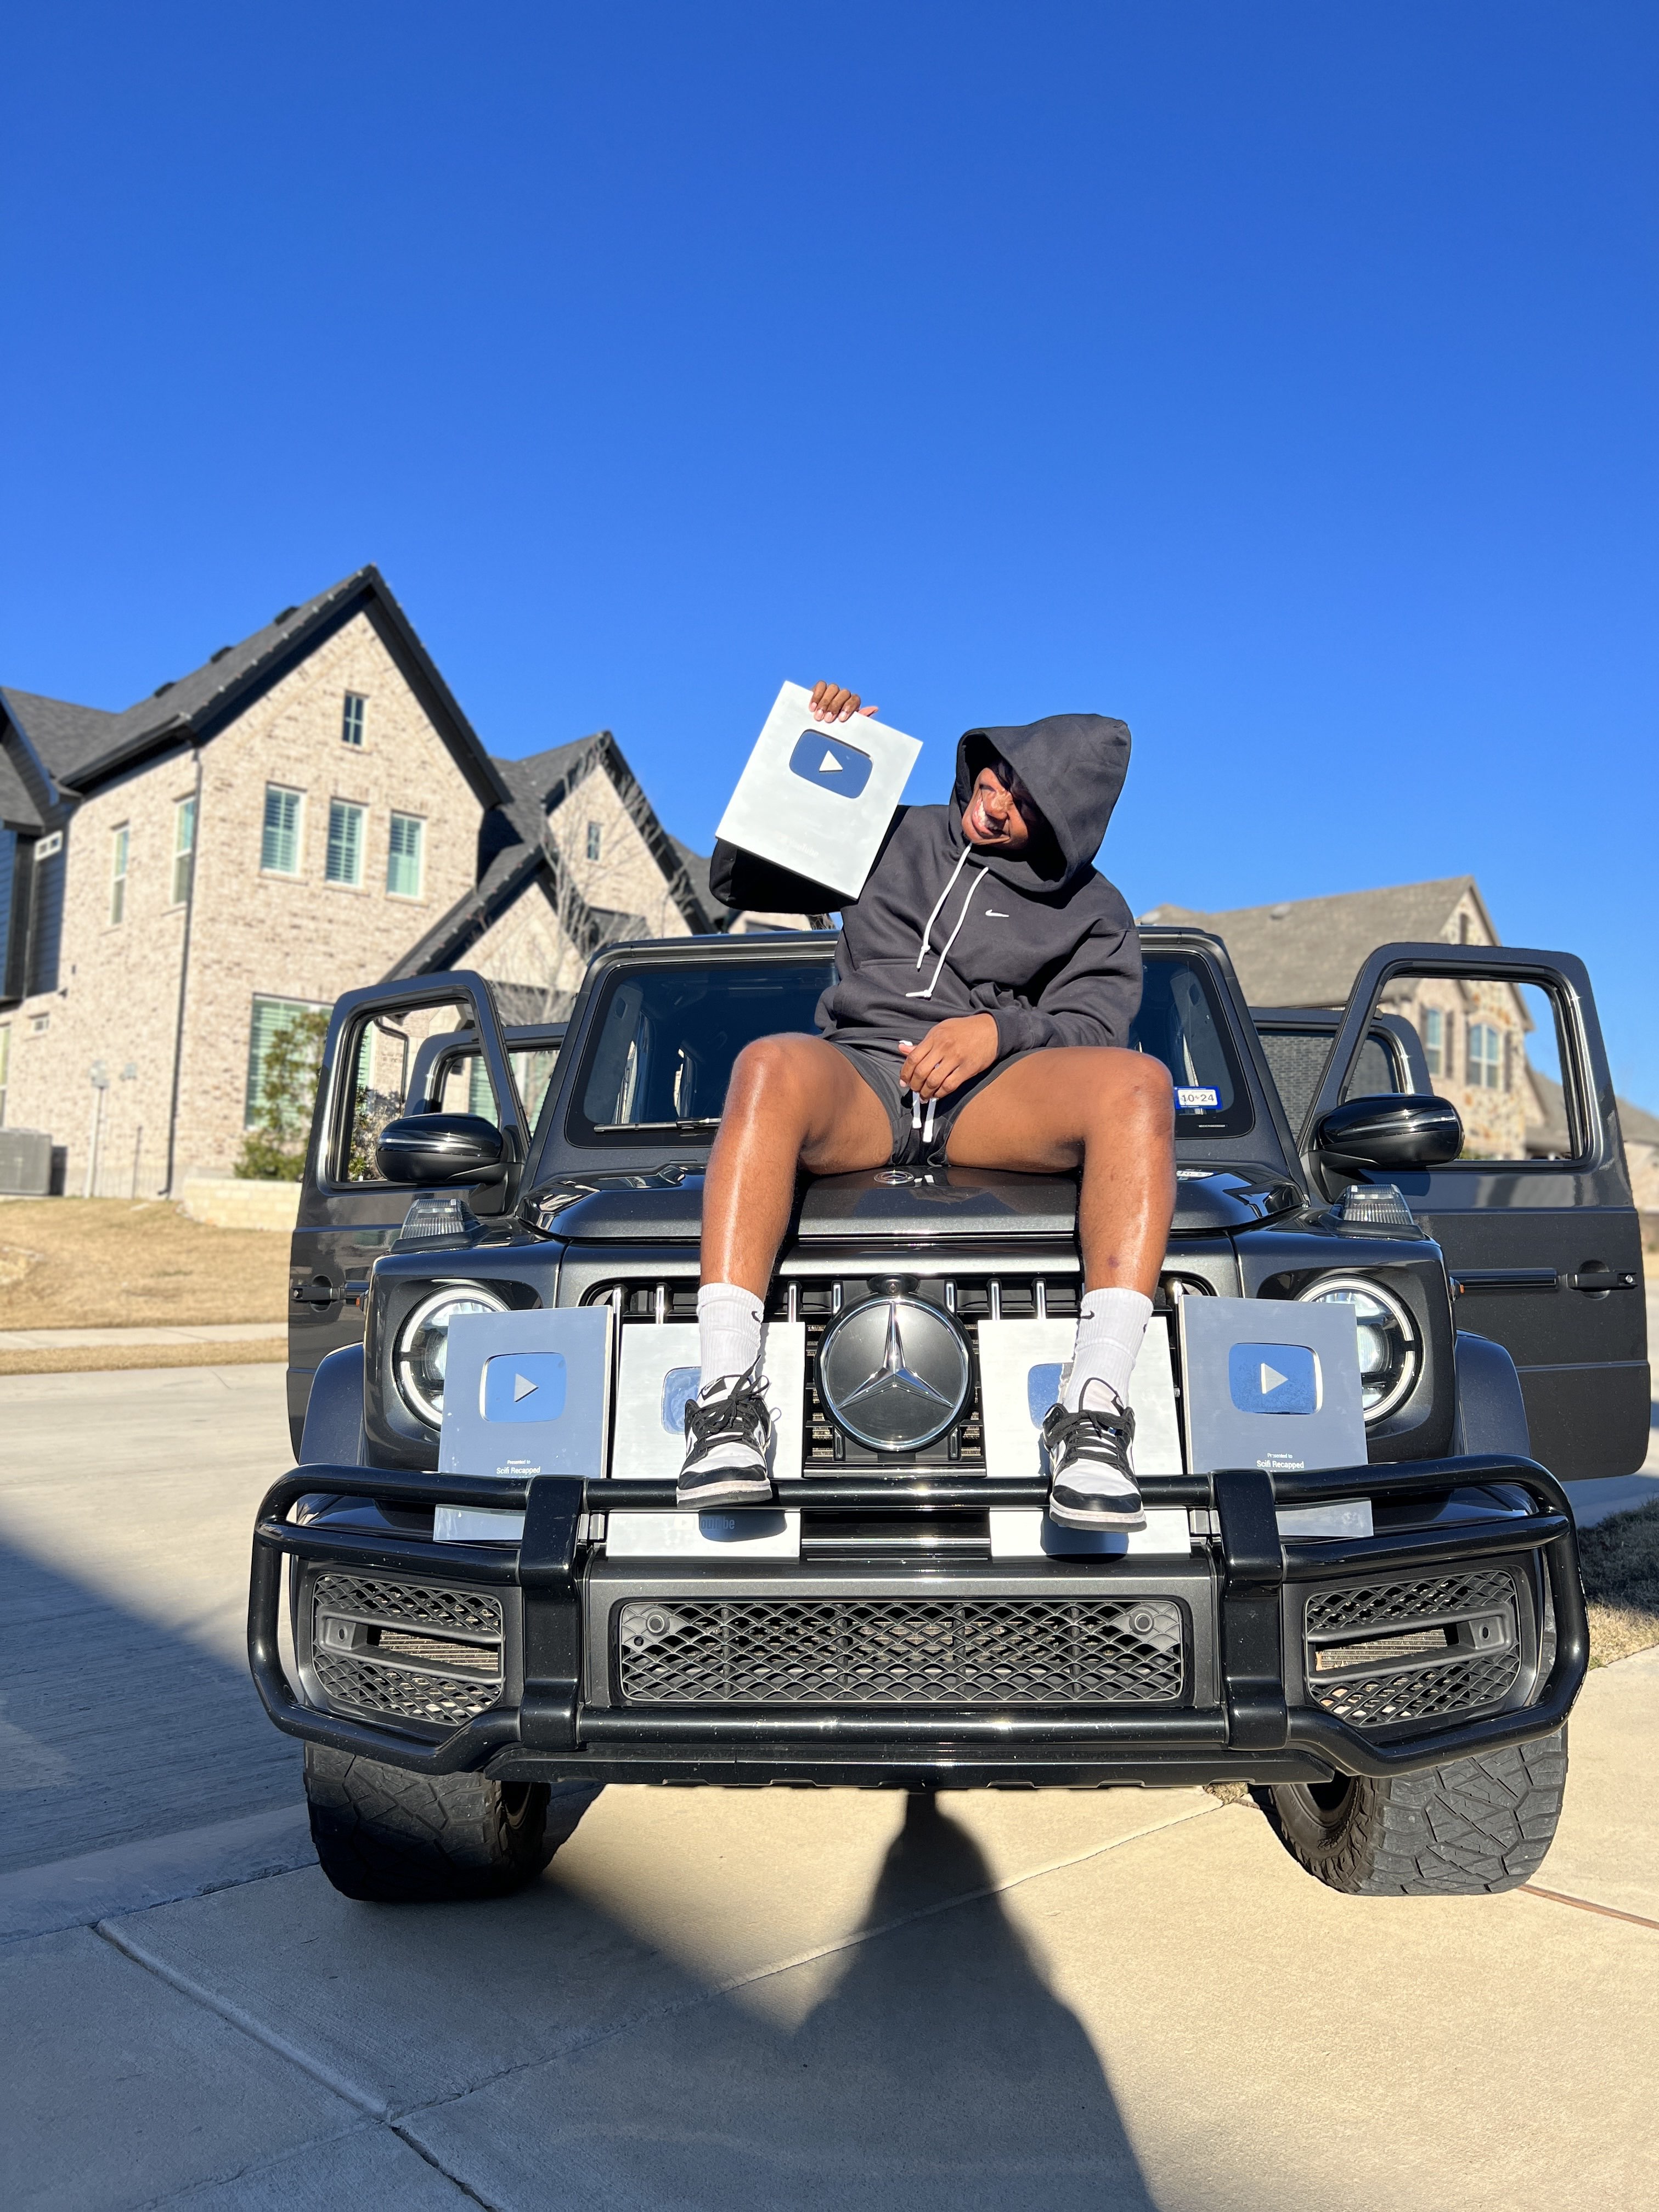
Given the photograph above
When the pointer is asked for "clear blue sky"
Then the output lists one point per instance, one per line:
(1279, 377)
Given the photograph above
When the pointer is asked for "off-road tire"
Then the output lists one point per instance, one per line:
(1468, 1829)
(387, 1837)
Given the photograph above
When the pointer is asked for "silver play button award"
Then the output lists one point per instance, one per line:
(894, 1373)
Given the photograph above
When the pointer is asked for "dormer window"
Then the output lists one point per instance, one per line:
(351, 721)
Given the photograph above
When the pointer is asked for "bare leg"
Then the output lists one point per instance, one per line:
(1113, 1114)
(794, 1102)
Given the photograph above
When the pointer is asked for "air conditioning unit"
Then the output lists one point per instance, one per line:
(25, 1163)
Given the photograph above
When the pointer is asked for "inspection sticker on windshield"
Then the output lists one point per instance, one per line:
(1194, 1099)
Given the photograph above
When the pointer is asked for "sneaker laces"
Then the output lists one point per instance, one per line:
(744, 1405)
(1083, 1427)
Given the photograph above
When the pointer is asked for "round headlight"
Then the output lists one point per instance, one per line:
(1388, 1351)
(423, 1344)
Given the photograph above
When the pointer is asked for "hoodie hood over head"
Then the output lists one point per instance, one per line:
(1073, 766)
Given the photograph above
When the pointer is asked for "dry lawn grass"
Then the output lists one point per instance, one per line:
(104, 1360)
(117, 1263)
(1620, 1560)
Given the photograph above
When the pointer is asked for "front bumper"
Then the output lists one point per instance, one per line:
(1252, 1705)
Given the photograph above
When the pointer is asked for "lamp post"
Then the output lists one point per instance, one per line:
(100, 1085)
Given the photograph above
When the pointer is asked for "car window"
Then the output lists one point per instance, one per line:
(1297, 1059)
(661, 1044)
(1181, 1023)
(393, 1058)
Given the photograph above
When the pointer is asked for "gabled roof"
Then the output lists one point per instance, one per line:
(79, 745)
(1306, 953)
(542, 781)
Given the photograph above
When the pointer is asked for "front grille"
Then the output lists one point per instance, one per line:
(898, 1651)
(405, 1650)
(392, 1694)
(972, 1298)
(1332, 1611)
(1385, 1652)
(1421, 1694)
(410, 1602)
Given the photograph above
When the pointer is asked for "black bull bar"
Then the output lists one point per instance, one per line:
(1255, 1732)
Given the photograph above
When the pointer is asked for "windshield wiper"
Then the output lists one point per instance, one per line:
(654, 1128)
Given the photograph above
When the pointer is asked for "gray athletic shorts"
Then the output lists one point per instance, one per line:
(921, 1126)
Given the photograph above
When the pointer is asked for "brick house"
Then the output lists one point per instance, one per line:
(1306, 953)
(308, 811)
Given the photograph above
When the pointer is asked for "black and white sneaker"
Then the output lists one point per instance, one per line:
(727, 1429)
(1092, 1483)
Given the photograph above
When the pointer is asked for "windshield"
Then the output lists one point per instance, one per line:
(662, 1041)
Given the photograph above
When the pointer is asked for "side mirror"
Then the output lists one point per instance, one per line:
(1415, 1130)
(440, 1148)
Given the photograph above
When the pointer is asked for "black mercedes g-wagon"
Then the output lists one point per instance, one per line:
(1387, 1653)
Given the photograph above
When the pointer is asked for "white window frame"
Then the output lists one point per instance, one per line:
(184, 855)
(595, 839)
(287, 791)
(354, 727)
(120, 852)
(1486, 1064)
(253, 1104)
(337, 808)
(419, 821)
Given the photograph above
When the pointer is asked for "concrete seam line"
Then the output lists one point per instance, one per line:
(430, 2158)
(1584, 1904)
(233, 2015)
(858, 1936)
(256, 2166)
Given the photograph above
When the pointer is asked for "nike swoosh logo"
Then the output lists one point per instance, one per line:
(993, 915)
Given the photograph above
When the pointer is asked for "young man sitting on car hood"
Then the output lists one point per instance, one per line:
(986, 979)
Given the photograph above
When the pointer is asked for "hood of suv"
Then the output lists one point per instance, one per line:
(946, 1202)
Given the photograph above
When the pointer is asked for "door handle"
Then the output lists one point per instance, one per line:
(319, 1294)
(1597, 1279)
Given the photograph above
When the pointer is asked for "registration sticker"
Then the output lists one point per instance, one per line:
(1194, 1099)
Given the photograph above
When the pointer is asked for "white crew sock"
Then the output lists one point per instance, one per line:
(1110, 1326)
(728, 1331)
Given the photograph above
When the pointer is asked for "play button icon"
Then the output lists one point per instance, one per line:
(524, 1386)
(1273, 1378)
(831, 763)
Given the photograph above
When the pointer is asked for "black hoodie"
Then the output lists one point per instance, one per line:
(1041, 942)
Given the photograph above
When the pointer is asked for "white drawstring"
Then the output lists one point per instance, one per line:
(973, 885)
(939, 902)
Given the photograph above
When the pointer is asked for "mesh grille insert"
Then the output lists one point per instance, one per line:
(1478, 1591)
(1420, 1693)
(388, 1690)
(859, 1651)
(409, 1601)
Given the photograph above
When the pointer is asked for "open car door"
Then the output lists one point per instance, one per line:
(1536, 1216)
(433, 1044)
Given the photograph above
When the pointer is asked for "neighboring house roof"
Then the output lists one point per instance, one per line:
(544, 781)
(79, 745)
(18, 810)
(1548, 1124)
(696, 867)
(1306, 953)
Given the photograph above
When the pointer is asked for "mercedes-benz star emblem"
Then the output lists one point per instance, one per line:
(893, 1372)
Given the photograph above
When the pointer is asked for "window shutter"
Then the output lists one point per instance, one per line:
(46, 917)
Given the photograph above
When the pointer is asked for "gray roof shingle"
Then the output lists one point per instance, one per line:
(1306, 953)
(79, 744)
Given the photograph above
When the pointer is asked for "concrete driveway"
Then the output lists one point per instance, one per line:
(725, 1998)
